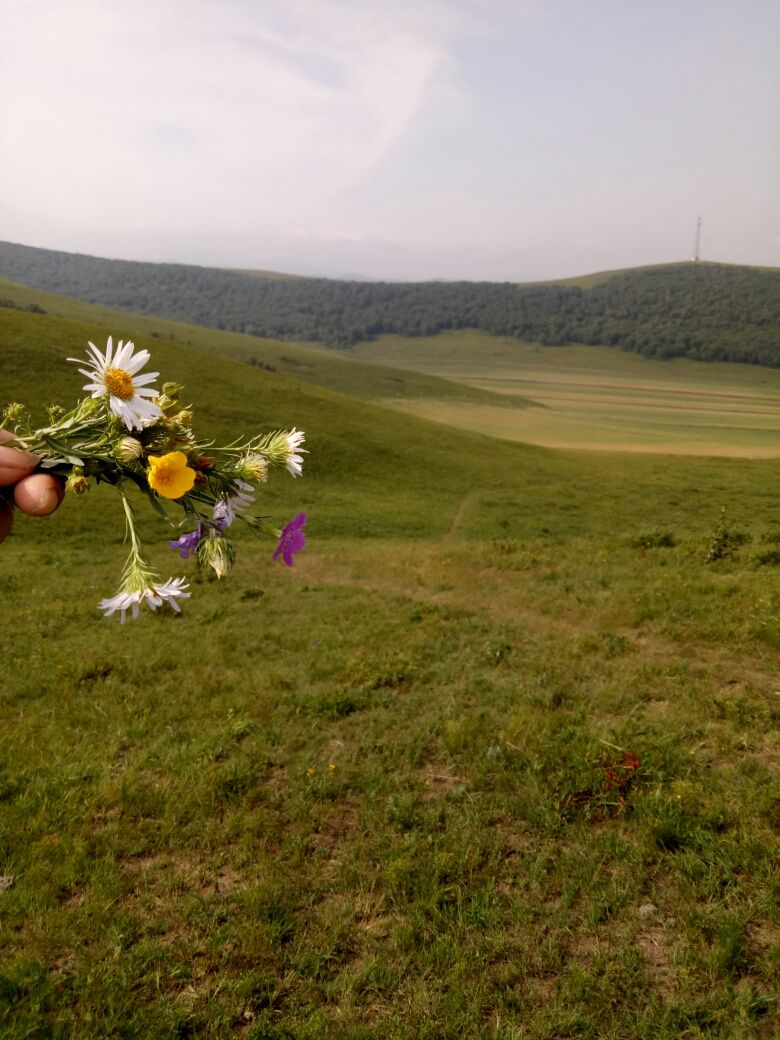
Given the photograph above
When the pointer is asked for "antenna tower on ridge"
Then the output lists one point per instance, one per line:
(698, 240)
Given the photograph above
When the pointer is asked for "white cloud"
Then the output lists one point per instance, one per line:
(397, 137)
(241, 115)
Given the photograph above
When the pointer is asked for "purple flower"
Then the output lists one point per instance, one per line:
(291, 540)
(187, 543)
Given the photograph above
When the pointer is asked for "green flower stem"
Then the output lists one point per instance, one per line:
(137, 574)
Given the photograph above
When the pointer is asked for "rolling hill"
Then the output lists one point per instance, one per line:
(300, 361)
(584, 397)
(698, 310)
(356, 443)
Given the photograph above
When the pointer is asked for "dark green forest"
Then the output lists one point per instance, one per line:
(712, 312)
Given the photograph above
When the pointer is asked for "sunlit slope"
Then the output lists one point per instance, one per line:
(374, 472)
(322, 368)
(596, 397)
(589, 281)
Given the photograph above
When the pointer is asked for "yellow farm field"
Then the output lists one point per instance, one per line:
(596, 398)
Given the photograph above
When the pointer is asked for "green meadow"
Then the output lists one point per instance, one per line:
(304, 362)
(496, 758)
(593, 397)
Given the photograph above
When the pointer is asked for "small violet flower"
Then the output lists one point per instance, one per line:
(187, 543)
(291, 540)
(225, 509)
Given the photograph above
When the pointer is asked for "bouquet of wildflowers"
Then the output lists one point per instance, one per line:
(129, 433)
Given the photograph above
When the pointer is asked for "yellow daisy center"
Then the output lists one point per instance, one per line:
(169, 475)
(119, 383)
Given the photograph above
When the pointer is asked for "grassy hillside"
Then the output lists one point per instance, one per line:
(498, 757)
(297, 360)
(235, 398)
(590, 281)
(711, 312)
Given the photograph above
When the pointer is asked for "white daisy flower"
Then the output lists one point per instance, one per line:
(294, 462)
(153, 595)
(114, 375)
(224, 512)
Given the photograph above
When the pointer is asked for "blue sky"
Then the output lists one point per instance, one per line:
(501, 139)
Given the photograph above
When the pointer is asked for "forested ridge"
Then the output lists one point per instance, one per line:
(716, 312)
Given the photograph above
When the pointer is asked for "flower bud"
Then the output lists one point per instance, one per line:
(77, 482)
(217, 552)
(165, 403)
(183, 418)
(253, 467)
(15, 413)
(128, 449)
(168, 398)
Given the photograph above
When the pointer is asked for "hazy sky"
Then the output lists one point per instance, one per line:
(501, 139)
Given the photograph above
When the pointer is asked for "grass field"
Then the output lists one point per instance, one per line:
(595, 397)
(497, 758)
(302, 362)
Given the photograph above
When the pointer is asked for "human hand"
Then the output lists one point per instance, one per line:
(37, 494)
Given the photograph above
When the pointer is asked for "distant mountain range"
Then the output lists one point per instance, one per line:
(711, 312)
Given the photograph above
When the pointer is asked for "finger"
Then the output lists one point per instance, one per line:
(6, 520)
(14, 464)
(39, 494)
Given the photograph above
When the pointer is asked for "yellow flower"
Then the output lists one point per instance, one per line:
(169, 475)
